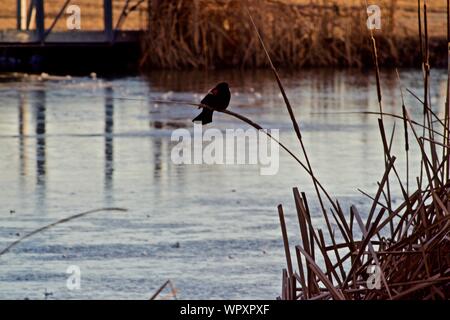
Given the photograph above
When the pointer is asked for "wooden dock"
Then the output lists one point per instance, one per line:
(10, 38)
(34, 46)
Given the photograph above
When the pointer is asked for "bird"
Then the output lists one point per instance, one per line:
(217, 98)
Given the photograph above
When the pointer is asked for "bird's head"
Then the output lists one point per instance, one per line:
(223, 86)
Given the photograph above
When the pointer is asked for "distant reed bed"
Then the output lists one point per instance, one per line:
(217, 34)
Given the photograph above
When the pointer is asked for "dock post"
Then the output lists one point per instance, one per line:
(21, 14)
(40, 16)
(18, 14)
(108, 19)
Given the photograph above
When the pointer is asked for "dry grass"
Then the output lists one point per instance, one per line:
(409, 245)
(207, 34)
(396, 253)
(405, 13)
(215, 33)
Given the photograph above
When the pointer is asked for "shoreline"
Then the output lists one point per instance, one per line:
(125, 60)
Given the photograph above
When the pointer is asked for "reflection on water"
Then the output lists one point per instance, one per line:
(71, 146)
(39, 110)
(109, 142)
(23, 122)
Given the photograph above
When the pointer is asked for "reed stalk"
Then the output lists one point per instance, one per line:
(51, 225)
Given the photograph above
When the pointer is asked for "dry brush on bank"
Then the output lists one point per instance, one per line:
(208, 34)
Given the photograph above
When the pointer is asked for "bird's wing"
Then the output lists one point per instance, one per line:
(210, 97)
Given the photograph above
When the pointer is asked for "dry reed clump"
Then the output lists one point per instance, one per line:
(402, 254)
(208, 34)
(396, 253)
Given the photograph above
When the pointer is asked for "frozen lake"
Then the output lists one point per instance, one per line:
(67, 146)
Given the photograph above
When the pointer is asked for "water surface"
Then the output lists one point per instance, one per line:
(68, 146)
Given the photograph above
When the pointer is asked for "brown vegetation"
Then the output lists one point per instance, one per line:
(206, 34)
(396, 253)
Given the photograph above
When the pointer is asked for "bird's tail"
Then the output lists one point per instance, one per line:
(205, 117)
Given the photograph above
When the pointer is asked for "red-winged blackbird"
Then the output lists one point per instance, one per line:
(217, 98)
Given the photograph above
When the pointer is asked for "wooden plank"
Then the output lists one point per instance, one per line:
(14, 37)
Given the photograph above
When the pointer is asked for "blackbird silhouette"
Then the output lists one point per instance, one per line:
(218, 98)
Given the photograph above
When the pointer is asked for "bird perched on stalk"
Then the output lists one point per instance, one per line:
(218, 98)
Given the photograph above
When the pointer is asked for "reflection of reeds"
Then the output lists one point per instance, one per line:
(206, 34)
